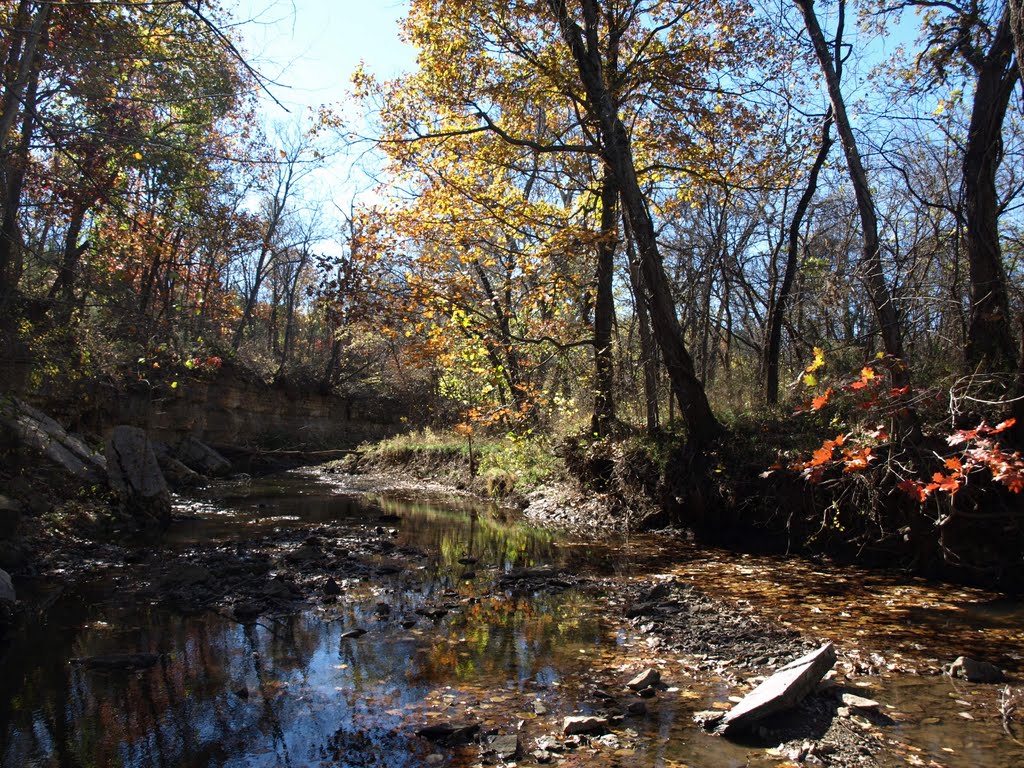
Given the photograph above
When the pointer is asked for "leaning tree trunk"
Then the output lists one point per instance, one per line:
(871, 261)
(584, 46)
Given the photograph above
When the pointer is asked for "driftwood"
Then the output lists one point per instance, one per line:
(783, 690)
(284, 453)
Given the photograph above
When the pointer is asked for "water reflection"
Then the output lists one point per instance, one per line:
(293, 691)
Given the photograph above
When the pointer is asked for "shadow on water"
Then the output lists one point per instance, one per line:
(291, 691)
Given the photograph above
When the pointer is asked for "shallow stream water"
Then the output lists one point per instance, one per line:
(291, 691)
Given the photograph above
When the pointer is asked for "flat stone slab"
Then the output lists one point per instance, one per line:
(783, 690)
(645, 679)
(41, 433)
(853, 701)
(506, 746)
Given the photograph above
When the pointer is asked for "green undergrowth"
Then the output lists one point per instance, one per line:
(498, 466)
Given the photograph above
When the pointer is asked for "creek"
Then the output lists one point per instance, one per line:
(291, 690)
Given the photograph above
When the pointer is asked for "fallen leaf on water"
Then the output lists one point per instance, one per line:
(966, 715)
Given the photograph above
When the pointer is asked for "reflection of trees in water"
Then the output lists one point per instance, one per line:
(312, 696)
(502, 639)
(490, 535)
(182, 712)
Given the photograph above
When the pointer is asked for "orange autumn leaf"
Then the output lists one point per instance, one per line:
(955, 464)
(1013, 480)
(856, 460)
(948, 483)
(822, 400)
(822, 455)
(915, 490)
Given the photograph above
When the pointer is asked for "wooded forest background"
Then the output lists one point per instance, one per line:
(590, 216)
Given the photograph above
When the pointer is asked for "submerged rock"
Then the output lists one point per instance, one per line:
(646, 679)
(636, 708)
(506, 746)
(853, 701)
(579, 724)
(976, 671)
(450, 733)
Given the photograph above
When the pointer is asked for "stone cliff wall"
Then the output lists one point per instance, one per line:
(228, 411)
(228, 408)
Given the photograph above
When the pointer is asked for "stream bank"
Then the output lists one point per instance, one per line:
(739, 494)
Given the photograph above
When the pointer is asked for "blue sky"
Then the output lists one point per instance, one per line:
(309, 49)
(313, 46)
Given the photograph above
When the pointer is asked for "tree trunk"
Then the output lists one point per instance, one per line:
(648, 350)
(584, 45)
(63, 287)
(1017, 27)
(289, 320)
(871, 261)
(990, 343)
(777, 304)
(604, 310)
(21, 75)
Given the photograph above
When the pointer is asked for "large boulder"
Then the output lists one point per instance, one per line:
(42, 434)
(177, 474)
(135, 474)
(201, 458)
